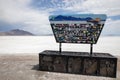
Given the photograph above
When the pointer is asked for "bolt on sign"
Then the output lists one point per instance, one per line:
(79, 28)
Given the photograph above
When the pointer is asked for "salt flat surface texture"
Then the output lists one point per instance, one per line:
(36, 44)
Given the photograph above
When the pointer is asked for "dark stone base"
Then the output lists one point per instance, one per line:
(99, 64)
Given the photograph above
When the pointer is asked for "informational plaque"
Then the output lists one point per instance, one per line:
(79, 28)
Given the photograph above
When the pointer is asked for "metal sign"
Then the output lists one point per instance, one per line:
(80, 28)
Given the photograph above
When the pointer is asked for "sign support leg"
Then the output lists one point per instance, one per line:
(60, 47)
(91, 49)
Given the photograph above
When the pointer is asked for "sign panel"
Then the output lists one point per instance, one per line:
(80, 28)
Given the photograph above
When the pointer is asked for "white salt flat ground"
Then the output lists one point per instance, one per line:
(35, 44)
(14, 66)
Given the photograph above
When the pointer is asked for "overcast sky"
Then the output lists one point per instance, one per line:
(32, 15)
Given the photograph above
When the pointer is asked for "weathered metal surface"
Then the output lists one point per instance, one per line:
(99, 64)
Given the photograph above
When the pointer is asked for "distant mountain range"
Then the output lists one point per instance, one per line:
(16, 32)
(62, 18)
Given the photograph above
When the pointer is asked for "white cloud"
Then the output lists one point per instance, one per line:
(109, 7)
(19, 11)
(12, 10)
(36, 20)
(111, 27)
